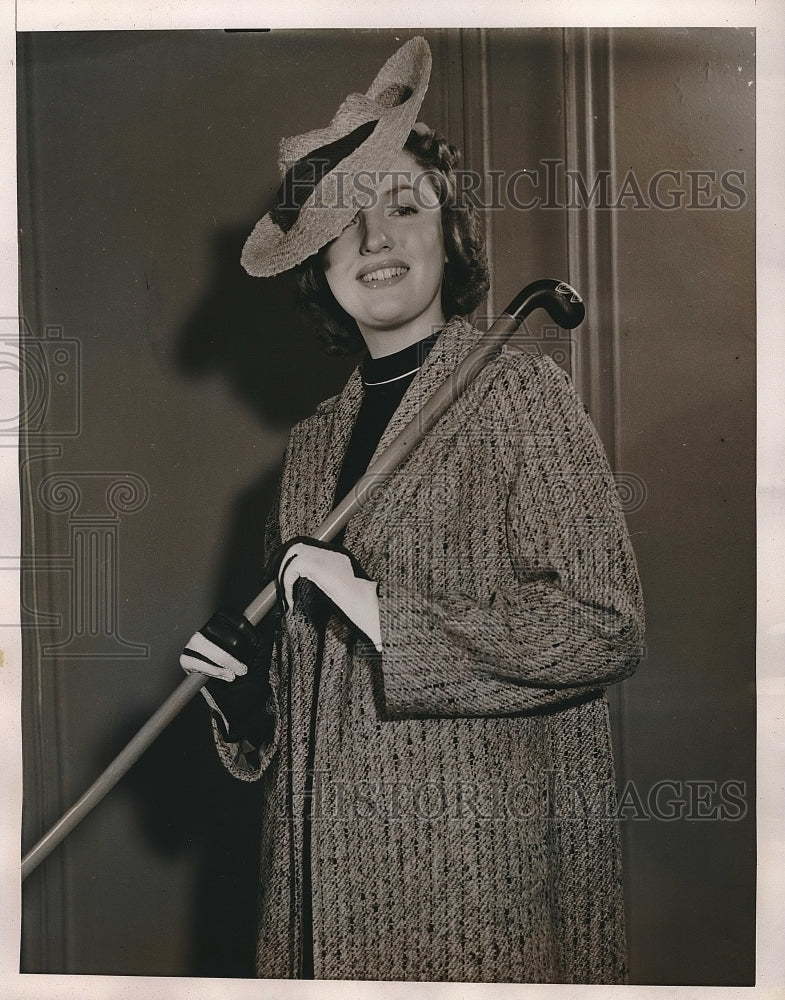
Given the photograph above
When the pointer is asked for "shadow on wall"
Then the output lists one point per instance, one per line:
(250, 332)
(187, 803)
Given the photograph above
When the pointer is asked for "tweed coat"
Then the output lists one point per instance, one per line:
(462, 806)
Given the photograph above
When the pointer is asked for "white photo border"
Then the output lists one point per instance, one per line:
(768, 17)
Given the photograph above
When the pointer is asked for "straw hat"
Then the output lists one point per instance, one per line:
(328, 173)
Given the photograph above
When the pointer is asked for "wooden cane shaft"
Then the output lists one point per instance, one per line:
(127, 757)
(399, 449)
(402, 445)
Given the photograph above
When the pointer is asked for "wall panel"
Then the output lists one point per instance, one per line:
(146, 159)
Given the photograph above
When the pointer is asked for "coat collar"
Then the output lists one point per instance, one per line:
(323, 438)
(454, 342)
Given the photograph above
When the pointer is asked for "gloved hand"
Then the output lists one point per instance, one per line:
(337, 574)
(228, 648)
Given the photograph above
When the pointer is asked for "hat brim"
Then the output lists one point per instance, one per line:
(347, 188)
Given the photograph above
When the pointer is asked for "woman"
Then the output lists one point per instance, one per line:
(432, 730)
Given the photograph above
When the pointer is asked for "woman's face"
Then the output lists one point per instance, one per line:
(386, 267)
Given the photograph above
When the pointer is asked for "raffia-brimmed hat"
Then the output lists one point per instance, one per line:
(328, 173)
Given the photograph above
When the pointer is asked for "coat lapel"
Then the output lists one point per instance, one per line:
(316, 450)
(456, 340)
(318, 444)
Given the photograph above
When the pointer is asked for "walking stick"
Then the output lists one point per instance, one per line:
(563, 305)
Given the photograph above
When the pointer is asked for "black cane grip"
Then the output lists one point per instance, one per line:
(234, 634)
(557, 298)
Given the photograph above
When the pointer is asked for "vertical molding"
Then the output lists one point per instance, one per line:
(477, 126)
(450, 101)
(44, 930)
(593, 263)
(589, 134)
(467, 112)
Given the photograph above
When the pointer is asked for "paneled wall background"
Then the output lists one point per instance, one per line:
(162, 382)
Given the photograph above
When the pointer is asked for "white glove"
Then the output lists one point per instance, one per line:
(218, 663)
(333, 572)
(227, 647)
(214, 661)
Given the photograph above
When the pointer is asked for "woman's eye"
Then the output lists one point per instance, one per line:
(403, 210)
(351, 224)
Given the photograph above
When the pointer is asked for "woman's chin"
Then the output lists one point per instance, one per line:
(395, 315)
(382, 320)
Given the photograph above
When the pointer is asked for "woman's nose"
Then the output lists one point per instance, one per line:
(375, 236)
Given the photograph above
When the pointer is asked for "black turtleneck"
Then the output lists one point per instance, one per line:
(385, 380)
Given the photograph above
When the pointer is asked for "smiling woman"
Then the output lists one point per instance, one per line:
(422, 177)
(386, 267)
(427, 707)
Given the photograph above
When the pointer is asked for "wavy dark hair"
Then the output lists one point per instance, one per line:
(466, 278)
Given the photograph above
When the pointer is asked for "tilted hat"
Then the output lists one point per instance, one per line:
(328, 174)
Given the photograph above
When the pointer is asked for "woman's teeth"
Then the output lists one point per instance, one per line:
(384, 273)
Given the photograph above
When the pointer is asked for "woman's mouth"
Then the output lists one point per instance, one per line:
(383, 275)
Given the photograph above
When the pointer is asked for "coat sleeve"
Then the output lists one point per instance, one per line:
(243, 760)
(568, 619)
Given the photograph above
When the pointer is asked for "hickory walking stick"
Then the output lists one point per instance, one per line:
(563, 305)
